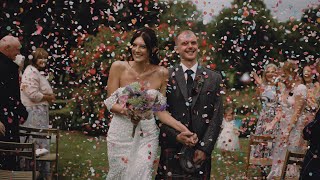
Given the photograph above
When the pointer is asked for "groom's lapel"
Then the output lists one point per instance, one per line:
(197, 84)
(179, 75)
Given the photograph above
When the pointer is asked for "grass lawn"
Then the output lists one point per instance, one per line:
(81, 156)
(85, 157)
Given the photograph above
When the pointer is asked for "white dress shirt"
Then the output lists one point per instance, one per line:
(193, 68)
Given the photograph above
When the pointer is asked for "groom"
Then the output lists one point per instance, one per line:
(193, 97)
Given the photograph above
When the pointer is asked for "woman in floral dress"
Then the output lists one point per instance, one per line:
(292, 100)
(267, 90)
(268, 96)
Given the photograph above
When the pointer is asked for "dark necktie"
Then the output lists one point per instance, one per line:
(189, 81)
(189, 88)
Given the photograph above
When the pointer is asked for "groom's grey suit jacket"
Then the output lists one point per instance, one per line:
(206, 107)
(205, 118)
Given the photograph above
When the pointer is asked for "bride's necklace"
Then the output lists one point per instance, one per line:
(138, 75)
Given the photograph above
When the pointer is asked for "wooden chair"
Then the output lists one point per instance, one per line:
(260, 161)
(53, 136)
(24, 150)
(294, 159)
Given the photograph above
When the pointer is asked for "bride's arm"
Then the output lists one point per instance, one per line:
(114, 84)
(167, 119)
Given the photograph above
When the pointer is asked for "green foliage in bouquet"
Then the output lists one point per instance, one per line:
(135, 93)
(91, 64)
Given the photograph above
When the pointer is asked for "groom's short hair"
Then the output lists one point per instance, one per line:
(183, 32)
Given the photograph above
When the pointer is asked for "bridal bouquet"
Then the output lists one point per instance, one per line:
(140, 101)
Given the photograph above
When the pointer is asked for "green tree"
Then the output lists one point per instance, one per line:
(245, 36)
(301, 38)
(53, 25)
(134, 14)
(178, 16)
(312, 16)
(181, 14)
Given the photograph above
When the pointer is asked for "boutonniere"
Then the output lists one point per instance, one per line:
(199, 81)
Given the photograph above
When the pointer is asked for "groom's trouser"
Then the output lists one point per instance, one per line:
(311, 166)
(169, 167)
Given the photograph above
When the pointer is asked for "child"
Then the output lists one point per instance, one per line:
(228, 140)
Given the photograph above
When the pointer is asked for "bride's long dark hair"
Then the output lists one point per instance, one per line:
(149, 37)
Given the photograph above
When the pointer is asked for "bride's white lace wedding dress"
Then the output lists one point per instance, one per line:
(132, 157)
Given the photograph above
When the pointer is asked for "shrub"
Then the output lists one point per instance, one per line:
(91, 64)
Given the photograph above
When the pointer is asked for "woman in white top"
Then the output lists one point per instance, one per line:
(36, 94)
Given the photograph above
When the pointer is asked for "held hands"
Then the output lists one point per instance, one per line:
(188, 138)
(2, 129)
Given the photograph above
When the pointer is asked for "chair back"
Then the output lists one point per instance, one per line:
(254, 141)
(50, 134)
(37, 133)
(20, 150)
(292, 158)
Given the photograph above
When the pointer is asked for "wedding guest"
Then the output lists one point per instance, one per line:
(36, 95)
(228, 140)
(291, 120)
(267, 88)
(311, 163)
(268, 97)
(12, 111)
(313, 93)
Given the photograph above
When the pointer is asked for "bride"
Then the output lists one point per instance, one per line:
(131, 154)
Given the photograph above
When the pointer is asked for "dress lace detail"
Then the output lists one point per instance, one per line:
(159, 99)
(162, 100)
(132, 157)
(112, 100)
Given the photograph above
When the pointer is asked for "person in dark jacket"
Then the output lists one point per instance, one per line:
(193, 98)
(12, 111)
(311, 163)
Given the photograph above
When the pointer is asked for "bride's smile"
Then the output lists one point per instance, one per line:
(140, 52)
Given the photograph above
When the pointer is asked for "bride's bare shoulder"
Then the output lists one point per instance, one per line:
(119, 65)
(162, 71)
